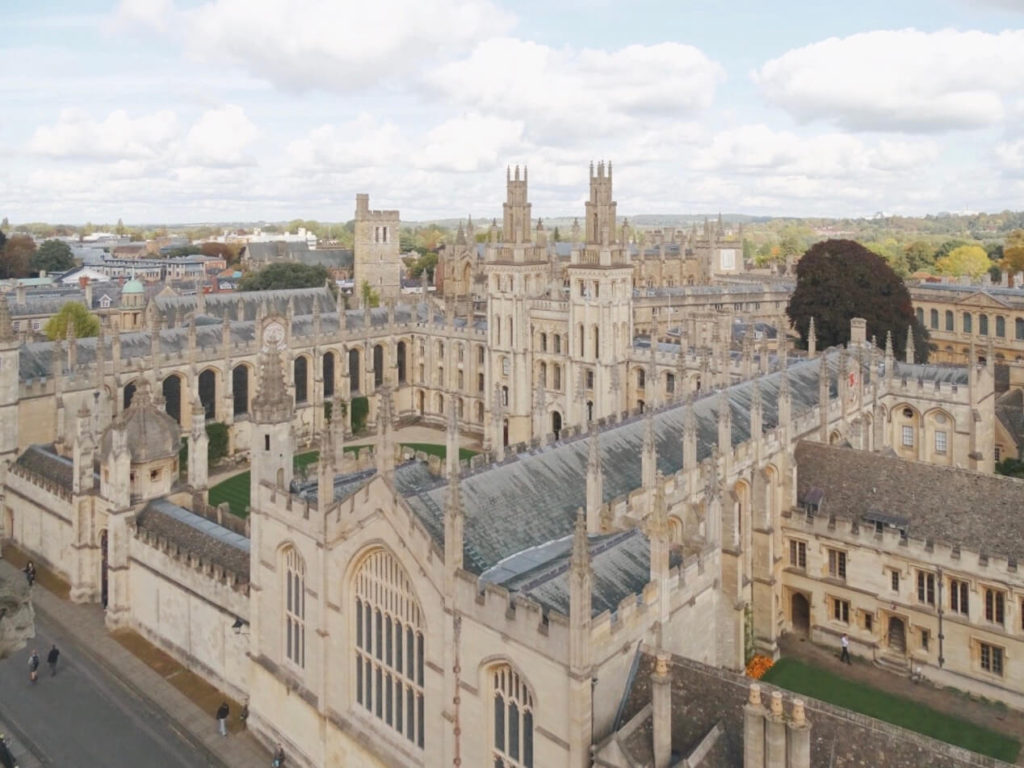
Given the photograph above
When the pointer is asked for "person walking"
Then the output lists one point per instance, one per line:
(51, 659)
(33, 666)
(222, 717)
(30, 572)
(278, 761)
(844, 641)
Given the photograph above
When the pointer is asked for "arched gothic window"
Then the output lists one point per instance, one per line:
(295, 607)
(389, 645)
(513, 719)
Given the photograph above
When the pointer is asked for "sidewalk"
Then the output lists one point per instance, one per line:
(86, 634)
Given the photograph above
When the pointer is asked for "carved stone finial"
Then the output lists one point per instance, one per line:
(777, 703)
(799, 717)
(755, 694)
(661, 664)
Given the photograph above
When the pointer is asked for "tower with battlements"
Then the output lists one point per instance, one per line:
(377, 262)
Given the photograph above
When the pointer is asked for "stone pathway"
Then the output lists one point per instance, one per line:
(85, 633)
(1001, 719)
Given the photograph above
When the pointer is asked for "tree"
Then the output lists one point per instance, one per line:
(52, 256)
(838, 280)
(370, 297)
(226, 251)
(74, 313)
(920, 256)
(14, 262)
(970, 260)
(284, 274)
(427, 261)
(1013, 254)
(119, 229)
(3, 240)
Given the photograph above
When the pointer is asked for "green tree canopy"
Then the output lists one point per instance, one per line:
(52, 256)
(838, 280)
(920, 256)
(284, 275)
(968, 260)
(370, 296)
(17, 253)
(1013, 253)
(74, 313)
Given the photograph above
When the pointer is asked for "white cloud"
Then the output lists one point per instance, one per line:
(77, 135)
(1010, 155)
(902, 80)
(339, 45)
(564, 94)
(470, 143)
(217, 138)
(759, 149)
(364, 142)
(220, 137)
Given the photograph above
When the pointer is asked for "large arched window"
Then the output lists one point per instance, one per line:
(301, 374)
(389, 656)
(513, 719)
(294, 607)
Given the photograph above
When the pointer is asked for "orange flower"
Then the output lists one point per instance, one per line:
(758, 665)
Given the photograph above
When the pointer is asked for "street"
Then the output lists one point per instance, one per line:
(82, 717)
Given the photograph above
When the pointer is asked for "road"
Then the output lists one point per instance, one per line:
(83, 716)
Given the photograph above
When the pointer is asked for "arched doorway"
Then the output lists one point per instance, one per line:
(897, 635)
(556, 423)
(800, 613)
(172, 397)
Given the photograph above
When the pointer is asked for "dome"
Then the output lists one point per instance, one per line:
(133, 286)
(152, 434)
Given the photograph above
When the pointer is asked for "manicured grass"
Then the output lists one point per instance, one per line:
(823, 684)
(235, 490)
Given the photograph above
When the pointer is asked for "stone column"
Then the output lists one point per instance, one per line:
(799, 738)
(661, 701)
(775, 741)
(753, 729)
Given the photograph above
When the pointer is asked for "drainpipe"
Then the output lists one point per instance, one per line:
(942, 659)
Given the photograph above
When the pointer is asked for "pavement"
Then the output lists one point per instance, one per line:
(155, 687)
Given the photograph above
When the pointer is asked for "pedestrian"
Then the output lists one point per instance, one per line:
(243, 716)
(222, 717)
(844, 641)
(51, 659)
(30, 572)
(33, 666)
(278, 756)
(6, 758)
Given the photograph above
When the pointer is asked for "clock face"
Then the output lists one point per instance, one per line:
(273, 335)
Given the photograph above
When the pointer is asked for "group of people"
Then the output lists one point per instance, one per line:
(224, 711)
(51, 659)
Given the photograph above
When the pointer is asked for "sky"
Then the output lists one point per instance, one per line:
(189, 111)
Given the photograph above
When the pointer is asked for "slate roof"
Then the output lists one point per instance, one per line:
(978, 512)
(44, 462)
(1010, 412)
(196, 535)
(266, 253)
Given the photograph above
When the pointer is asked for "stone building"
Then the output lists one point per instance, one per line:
(376, 260)
(393, 613)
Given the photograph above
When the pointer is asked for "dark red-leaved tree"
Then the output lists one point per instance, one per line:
(837, 280)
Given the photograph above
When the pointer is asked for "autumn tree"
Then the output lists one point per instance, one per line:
(284, 275)
(1013, 254)
(16, 256)
(75, 315)
(227, 251)
(371, 298)
(52, 256)
(969, 260)
(838, 280)
(920, 256)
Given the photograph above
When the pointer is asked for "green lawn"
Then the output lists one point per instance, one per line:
(235, 490)
(823, 684)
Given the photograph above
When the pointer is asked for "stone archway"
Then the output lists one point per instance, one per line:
(800, 614)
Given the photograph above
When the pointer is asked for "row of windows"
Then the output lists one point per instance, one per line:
(958, 590)
(968, 323)
(907, 439)
(990, 658)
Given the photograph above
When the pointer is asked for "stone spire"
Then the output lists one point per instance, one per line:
(580, 595)
(812, 340)
(823, 395)
(785, 401)
(649, 459)
(271, 404)
(658, 534)
(198, 447)
(385, 434)
(680, 369)
(454, 527)
(910, 345)
(83, 452)
(595, 482)
(338, 432)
